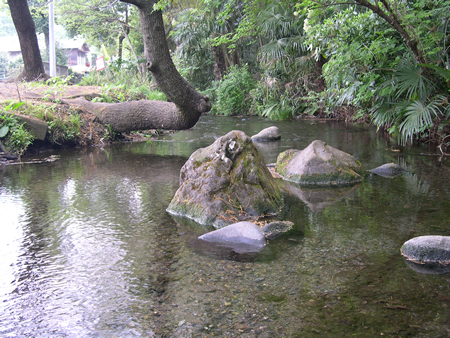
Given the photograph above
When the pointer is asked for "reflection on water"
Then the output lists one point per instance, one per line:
(89, 251)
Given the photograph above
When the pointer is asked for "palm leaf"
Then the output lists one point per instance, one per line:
(418, 118)
(445, 73)
(273, 50)
(388, 113)
(408, 79)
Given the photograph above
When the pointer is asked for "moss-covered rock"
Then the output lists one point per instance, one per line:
(225, 183)
(318, 164)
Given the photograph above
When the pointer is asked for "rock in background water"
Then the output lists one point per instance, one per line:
(318, 164)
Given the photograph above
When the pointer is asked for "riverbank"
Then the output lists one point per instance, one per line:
(71, 126)
(67, 125)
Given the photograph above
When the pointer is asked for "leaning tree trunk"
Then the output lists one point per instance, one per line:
(187, 104)
(33, 67)
(159, 62)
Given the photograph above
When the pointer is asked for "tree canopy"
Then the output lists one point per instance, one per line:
(385, 62)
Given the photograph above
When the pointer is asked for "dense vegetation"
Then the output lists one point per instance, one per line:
(383, 62)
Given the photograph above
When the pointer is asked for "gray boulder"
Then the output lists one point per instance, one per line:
(267, 135)
(225, 183)
(318, 164)
(428, 254)
(241, 236)
(388, 170)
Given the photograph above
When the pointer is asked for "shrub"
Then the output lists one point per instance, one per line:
(12, 132)
(232, 93)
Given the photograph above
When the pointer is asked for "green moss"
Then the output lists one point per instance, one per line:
(336, 178)
(283, 160)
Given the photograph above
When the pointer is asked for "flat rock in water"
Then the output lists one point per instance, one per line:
(428, 254)
(246, 236)
(318, 164)
(388, 170)
(267, 135)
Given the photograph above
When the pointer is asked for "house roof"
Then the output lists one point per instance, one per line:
(11, 44)
(74, 44)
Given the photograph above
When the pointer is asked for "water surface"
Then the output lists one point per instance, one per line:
(89, 251)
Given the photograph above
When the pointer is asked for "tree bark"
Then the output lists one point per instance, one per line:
(319, 82)
(189, 102)
(219, 62)
(24, 24)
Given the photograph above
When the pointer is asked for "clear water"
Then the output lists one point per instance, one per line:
(87, 249)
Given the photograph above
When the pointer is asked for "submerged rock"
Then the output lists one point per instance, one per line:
(318, 164)
(388, 170)
(241, 236)
(225, 183)
(267, 135)
(276, 229)
(428, 254)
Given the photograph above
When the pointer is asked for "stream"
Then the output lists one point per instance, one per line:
(88, 250)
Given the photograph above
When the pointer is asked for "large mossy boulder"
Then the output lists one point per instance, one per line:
(225, 183)
(318, 164)
(428, 254)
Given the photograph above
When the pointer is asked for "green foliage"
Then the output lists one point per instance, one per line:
(407, 108)
(232, 93)
(62, 130)
(12, 131)
(284, 62)
(110, 134)
(58, 81)
(124, 83)
(99, 22)
(211, 38)
(374, 66)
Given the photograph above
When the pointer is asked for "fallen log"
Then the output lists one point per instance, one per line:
(138, 115)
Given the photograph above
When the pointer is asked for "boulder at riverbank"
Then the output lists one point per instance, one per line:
(318, 164)
(225, 183)
(428, 254)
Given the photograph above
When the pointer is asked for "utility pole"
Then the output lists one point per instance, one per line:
(51, 27)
